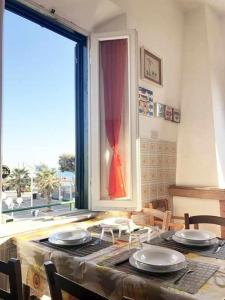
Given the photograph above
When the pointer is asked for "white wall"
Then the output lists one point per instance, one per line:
(216, 44)
(2, 5)
(160, 29)
(196, 163)
(201, 143)
(116, 24)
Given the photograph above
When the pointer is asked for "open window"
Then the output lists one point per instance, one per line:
(45, 113)
(114, 142)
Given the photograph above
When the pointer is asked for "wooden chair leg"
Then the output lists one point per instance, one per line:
(26, 292)
(186, 221)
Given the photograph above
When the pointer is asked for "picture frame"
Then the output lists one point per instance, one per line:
(159, 110)
(145, 99)
(176, 115)
(168, 113)
(151, 67)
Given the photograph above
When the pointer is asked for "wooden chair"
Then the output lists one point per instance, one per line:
(163, 205)
(202, 219)
(13, 270)
(176, 226)
(57, 283)
(160, 204)
(147, 217)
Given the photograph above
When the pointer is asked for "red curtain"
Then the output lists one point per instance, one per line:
(113, 55)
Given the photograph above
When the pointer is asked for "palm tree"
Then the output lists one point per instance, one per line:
(47, 181)
(19, 180)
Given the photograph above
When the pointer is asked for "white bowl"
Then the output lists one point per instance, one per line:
(195, 235)
(156, 256)
(147, 268)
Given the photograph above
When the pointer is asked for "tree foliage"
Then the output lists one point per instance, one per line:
(47, 181)
(67, 162)
(18, 180)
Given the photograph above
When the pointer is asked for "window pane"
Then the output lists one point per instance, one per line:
(114, 120)
(39, 115)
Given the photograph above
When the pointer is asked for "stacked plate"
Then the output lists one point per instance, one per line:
(70, 238)
(195, 237)
(157, 259)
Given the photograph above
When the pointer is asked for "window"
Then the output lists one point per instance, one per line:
(45, 99)
(114, 138)
(114, 119)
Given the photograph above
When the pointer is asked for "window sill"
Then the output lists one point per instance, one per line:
(12, 228)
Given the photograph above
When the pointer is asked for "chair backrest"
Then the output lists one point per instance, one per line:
(19, 200)
(13, 270)
(58, 283)
(160, 204)
(9, 202)
(150, 216)
(202, 219)
(155, 213)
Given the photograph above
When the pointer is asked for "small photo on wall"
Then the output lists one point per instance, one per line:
(151, 67)
(146, 105)
(159, 109)
(168, 113)
(176, 115)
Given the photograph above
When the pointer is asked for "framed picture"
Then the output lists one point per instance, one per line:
(159, 109)
(168, 113)
(151, 66)
(145, 98)
(176, 115)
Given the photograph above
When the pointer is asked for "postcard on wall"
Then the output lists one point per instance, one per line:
(159, 110)
(168, 113)
(176, 115)
(145, 98)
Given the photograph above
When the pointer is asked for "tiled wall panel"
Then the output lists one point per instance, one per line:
(158, 168)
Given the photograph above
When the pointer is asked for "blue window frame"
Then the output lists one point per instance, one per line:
(81, 91)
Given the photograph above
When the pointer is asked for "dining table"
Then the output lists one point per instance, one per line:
(96, 271)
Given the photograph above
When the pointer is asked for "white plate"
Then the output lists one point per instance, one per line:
(195, 243)
(57, 242)
(143, 267)
(156, 256)
(72, 235)
(195, 235)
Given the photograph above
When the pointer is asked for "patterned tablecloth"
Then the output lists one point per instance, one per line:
(107, 281)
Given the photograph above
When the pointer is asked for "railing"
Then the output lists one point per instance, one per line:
(65, 202)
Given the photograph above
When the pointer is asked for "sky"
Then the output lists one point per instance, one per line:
(38, 96)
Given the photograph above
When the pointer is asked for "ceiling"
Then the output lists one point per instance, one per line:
(218, 5)
(87, 14)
